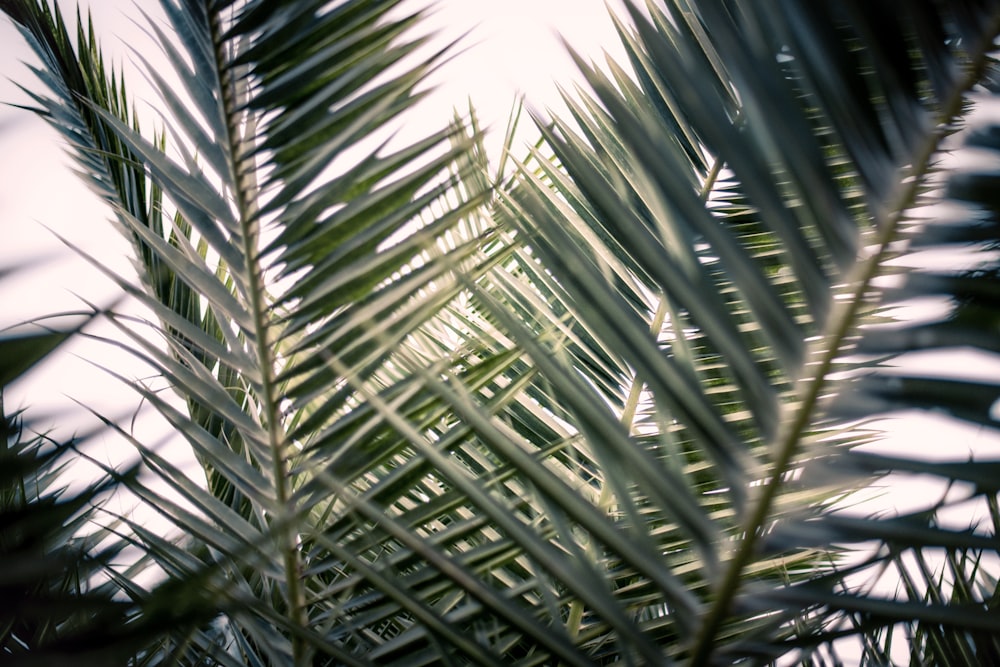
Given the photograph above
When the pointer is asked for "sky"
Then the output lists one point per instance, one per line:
(512, 47)
(507, 49)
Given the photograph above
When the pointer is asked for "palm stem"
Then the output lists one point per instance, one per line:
(829, 346)
(233, 89)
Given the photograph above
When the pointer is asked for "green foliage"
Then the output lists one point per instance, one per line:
(603, 409)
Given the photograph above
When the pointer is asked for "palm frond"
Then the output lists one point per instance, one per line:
(580, 419)
(756, 163)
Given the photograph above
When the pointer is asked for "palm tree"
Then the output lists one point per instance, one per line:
(606, 407)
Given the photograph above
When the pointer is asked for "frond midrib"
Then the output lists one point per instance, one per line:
(233, 86)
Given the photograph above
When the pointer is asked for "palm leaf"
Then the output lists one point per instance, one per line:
(581, 421)
(791, 127)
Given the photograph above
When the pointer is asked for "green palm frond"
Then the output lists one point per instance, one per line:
(581, 414)
(52, 606)
(286, 261)
(756, 163)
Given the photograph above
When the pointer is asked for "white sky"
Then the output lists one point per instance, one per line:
(513, 47)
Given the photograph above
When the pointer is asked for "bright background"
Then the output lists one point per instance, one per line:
(507, 49)
(512, 48)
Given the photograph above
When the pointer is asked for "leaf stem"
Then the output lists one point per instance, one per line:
(245, 192)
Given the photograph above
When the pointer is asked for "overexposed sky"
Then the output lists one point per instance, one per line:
(511, 48)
